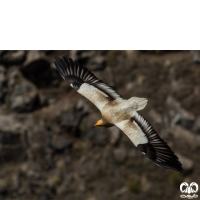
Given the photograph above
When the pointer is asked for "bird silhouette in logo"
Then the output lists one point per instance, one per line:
(192, 188)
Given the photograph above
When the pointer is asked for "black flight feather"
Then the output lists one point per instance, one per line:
(156, 149)
(76, 75)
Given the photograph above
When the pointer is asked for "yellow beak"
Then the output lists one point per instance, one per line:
(97, 124)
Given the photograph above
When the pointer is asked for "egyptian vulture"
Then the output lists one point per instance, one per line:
(119, 112)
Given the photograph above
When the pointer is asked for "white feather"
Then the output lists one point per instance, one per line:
(133, 131)
(97, 97)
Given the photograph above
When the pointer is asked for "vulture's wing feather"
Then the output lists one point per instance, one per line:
(148, 141)
(85, 82)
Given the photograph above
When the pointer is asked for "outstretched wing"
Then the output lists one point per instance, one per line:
(85, 82)
(149, 142)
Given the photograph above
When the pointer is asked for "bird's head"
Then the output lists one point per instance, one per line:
(99, 123)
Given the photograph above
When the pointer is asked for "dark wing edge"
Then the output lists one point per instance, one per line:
(156, 149)
(75, 74)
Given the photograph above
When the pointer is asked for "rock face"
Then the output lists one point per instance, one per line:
(13, 57)
(182, 117)
(11, 138)
(49, 148)
(23, 94)
(32, 57)
(37, 68)
(188, 164)
(98, 63)
(81, 55)
(60, 142)
(3, 82)
(114, 135)
(195, 55)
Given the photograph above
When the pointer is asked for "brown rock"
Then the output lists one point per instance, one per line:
(38, 137)
(155, 116)
(82, 56)
(53, 181)
(98, 63)
(121, 191)
(47, 52)
(183, 118)
(2, 73)
(11, 153)
(35, 62)
(13, 57)
(13, 124)
(23, 95)
(60, 142)
(9, 138)
(114, 134)
(120, 154)
(99, 136)
(2, 52)
(102, 75)
(145, 184)
(195, 55)
(11, 147)
(4, 186)
(37, 68)
(186, 135)
(3, 87)
(71, 118)
(196, 127)
(86, 168)
(187, 163)
(91, 198)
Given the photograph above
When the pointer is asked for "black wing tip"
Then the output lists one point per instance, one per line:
(76, 74)
(167, 161)
(56, 59)
(66, 68)
(69, 59)
(157, 149)
(65, 58)
(179, 169)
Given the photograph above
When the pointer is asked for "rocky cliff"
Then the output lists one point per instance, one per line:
(49, 148)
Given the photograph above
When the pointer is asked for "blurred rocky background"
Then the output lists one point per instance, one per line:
(49, 148)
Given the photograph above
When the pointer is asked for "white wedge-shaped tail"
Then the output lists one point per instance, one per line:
(137, 103)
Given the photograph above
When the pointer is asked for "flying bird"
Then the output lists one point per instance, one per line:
(119, 112)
